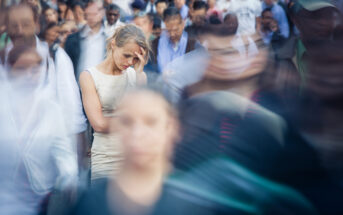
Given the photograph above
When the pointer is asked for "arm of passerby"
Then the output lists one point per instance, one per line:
(141, 76)
(92, 105)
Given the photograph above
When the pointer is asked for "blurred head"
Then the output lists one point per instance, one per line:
(231, 21)
(112, 13)
(148, 127)
(174, 23)
(79, 13)
(161, 5)
(52, 33)
(179, 3)
(66, 29)
(145, 22)
(124, 43)
(50, 15)
(21, 23)
(211, 3)
(269, 2)
(234, 61)
(267, 17)
(25, 67)
(62, 6)
(198, 14)
(94, 14)
(314, 21)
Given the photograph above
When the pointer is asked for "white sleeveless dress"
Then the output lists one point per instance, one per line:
(106, 152)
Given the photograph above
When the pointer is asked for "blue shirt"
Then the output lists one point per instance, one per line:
(184, 11)
(166, 50)
(280, 16)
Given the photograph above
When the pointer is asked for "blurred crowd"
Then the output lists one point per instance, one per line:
(142, 107)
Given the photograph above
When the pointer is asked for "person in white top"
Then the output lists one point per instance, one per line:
(248, 13)
(102, 88)
(112, 21)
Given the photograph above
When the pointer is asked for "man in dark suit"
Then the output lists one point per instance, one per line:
(87, 48)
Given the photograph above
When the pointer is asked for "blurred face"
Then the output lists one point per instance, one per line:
(267, 17)
(94, 14)
(228, 64)
(112, 16)
(145, 24)
(198, 17)
(146, 129)
(269, 2)
(160, 7)
(51, 16)
(62, 6)
(124, 57)
(21, 25)
(79, 14)
(318, 24)
(26, 70)
(174, 26)
(211, 3)
(232, 22)
(52, 34)
(179, 3)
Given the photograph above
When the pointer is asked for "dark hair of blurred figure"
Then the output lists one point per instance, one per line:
(50, 15)
(112, 13)
(171, 13)
(198, 14)
(161, 5)
(78, 9)
(231, 21)
(148, 135)
(137, 6)
(157, 27)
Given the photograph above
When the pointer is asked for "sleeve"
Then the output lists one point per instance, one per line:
(69, 93)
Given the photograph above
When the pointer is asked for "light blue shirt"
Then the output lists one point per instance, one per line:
(280, 16)
(184, 11)
(167, 51)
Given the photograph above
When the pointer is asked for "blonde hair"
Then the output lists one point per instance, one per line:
(127, 33)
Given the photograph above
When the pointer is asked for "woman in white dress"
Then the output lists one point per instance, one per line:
(102, 89)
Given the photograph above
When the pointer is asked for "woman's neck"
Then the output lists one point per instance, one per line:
(109, 67)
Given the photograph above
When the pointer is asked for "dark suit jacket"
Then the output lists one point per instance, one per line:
(73, 48)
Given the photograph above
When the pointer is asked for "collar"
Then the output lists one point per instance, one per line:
(84, 33)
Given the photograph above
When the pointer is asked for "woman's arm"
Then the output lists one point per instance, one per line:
(92, 105)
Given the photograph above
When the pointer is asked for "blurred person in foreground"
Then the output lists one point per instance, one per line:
(146, 183)
(87, 47)
(103, 87)
(174, 41)
(235, 111)
(147, 134)
(21, 27)
(112, 21)
(37, 155)
(319, 59)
